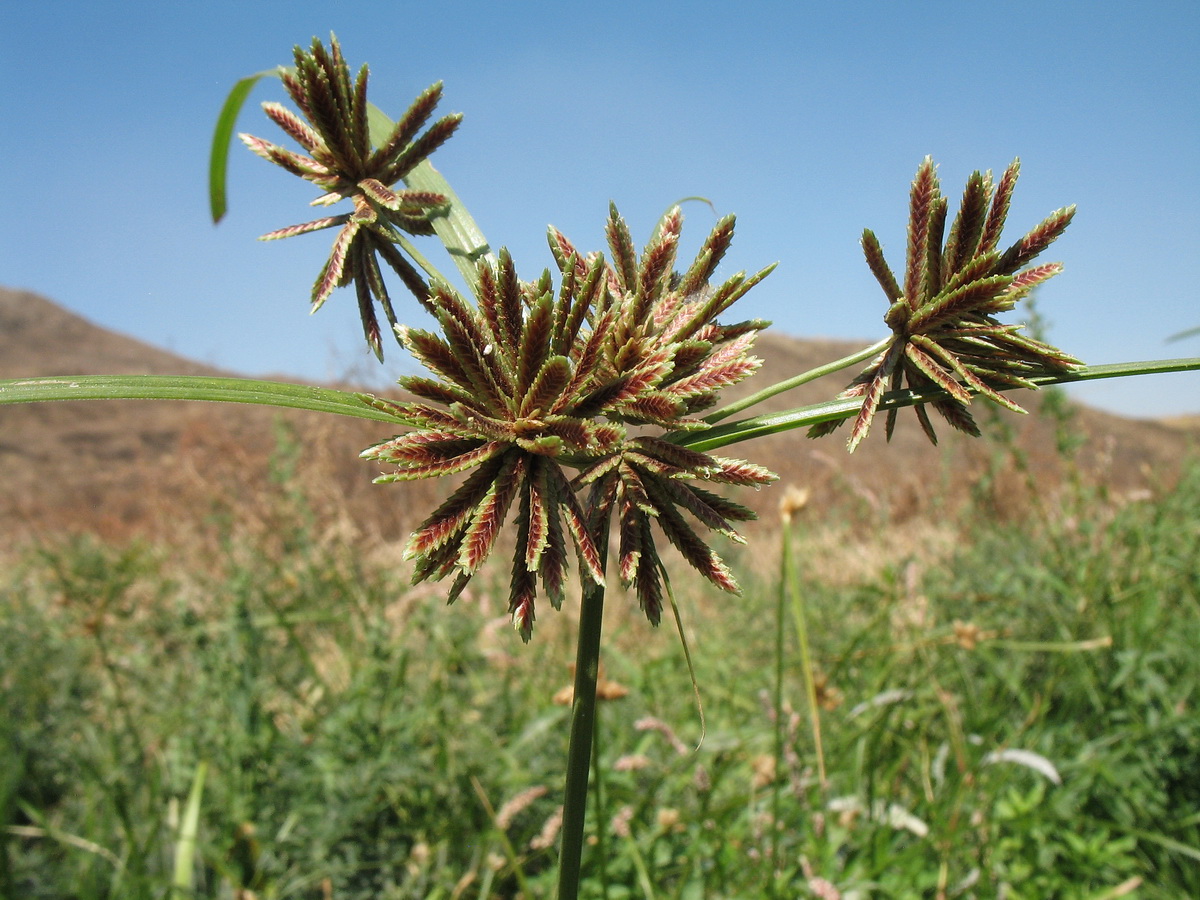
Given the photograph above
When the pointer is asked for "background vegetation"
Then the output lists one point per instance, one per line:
(1008, 708)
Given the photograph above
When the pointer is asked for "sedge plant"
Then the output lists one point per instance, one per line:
(583, 405)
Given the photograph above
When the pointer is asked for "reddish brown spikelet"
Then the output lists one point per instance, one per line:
(862, 422)
(649, 590)
(332, 126)
(924, 191)
(305, 228)
(407, 126)
(620, 241)
(1036, 240)
(521, 597)
(294, 126)
(965, 233)
(554, 560)
(630, 544)
(944, 334)
(490, 512)
(998, 213)
(536, 512)
(1025, 281)
(656, 262)
(879, 267)
(709, 257)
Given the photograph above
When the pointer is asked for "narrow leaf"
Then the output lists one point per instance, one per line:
(218, 157)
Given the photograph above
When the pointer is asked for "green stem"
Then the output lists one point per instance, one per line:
(583, 720)
(773, 423)
(792, 584)
(601, 812)
(777, 786)
(794, 382)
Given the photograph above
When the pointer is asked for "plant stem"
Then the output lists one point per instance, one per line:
(583, 720)
(795, 381)
(773, 423)
(792, 586)
(777, 701)
(598, 806)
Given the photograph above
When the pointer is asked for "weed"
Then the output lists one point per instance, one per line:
(349, 728)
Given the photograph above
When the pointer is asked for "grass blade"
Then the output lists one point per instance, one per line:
(188, 387)
(218, 160)
(182, 884)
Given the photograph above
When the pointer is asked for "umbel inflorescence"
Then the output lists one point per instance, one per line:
(533, 388)
(534, 391)
(565, 398)
(945, 334)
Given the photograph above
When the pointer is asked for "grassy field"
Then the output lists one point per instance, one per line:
(1006, 709)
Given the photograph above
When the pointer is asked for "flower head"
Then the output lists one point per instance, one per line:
(531, 380)
(332, 129)
(945, 334)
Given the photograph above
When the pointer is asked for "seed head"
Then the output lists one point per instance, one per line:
(339, 159)
(945, 333)
(531, 382)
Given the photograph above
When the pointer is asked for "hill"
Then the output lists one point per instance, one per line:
(119, 468)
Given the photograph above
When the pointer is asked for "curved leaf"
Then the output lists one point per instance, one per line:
(218, 160)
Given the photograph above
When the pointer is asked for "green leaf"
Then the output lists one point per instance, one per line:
(183, 883)
(188, 387)
(1183, 335)
(218, 160)
(453, 225)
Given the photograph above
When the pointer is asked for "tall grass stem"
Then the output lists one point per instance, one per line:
(583, 721)
(791, 584)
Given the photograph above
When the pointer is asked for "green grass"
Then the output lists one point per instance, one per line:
(352, 730)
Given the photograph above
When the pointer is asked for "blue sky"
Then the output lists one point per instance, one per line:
(806, 120)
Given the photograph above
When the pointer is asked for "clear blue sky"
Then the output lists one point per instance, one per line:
(807, 120)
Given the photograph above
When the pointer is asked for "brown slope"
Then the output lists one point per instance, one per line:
(38, 337)
(144, 467)
(124, 467)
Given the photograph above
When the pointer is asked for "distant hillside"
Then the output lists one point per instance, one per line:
(145, 467)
